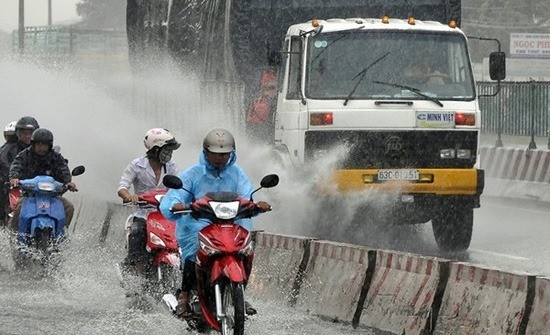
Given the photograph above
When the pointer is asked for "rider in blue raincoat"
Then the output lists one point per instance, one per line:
(217, 171)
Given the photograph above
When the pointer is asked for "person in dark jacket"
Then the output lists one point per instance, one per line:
(41, 159)
(24, 128)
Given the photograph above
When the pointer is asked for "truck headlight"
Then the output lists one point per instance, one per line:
(320, 153)
(464, 153)
(447, 153)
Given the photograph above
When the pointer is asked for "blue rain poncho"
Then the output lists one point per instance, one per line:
(200, 179)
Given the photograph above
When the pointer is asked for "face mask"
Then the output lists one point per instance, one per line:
(165, 155)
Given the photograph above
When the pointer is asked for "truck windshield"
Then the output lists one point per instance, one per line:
(435, 64)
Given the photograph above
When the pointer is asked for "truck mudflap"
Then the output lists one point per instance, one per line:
(411, 181)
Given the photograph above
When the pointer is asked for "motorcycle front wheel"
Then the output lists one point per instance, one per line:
(43, 239)
(169, 278)
(233, 309)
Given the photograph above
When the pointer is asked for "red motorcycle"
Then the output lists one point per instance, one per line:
(162, 271)
(224, 260)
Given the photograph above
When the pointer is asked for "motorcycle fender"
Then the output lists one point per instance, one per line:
(41, 223)
(209, 317)
(42, 212)
(230, 267)
(14, 196)
(171, 258)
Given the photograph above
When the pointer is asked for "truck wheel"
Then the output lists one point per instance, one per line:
(453, 229)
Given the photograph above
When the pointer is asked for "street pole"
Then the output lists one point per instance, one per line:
(498, 143)
(21, 31)
(532, 144)
(49, 12)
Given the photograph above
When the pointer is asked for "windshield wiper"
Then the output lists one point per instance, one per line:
(412, 89)
(362, 73)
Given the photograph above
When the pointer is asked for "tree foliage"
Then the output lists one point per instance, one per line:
(102, 14)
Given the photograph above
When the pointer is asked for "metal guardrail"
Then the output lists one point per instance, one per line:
(520, 109)
(67, 40)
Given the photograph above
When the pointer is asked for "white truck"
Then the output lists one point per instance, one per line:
(400, 97)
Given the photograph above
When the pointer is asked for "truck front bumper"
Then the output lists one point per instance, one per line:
(432, 181)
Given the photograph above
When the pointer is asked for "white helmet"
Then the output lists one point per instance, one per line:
(160, 137)
(9, 130)
(219, 141)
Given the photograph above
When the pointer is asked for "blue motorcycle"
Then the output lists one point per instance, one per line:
(42, 219)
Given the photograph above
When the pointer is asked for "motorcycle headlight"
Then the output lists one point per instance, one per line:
(156, 240)
(45, 186)
(209, 250)
(225, 210)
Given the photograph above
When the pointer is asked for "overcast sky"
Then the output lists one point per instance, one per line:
(36, 13)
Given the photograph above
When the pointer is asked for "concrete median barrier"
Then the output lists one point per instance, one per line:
(479, 300)
(333, 280)
(516, 173)
(100, 220)
(515, 163)
(279, 263)
(539, 320)
(393, 292)
(402, 295)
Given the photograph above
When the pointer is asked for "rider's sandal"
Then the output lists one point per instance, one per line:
(183, 311)
(249, 310)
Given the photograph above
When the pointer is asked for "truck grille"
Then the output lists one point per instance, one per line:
(393, 149)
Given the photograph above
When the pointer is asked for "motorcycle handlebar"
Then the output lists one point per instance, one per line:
(141, 203)
(247, 214)
(185, 211)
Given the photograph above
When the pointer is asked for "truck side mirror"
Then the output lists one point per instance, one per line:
(497, 65)
(273, 57)
(273, 54)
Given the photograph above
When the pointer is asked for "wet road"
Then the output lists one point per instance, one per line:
(83, 296)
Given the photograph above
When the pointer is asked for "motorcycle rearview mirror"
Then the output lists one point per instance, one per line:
(271, 180)
(77, 171)
(171, 181)
(174, 182)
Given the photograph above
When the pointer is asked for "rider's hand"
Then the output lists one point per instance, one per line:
(72, 187)
(14, 182)
(263, 206)
(132, 198)
(178, 207)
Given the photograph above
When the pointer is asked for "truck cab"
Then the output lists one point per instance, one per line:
(393, 103)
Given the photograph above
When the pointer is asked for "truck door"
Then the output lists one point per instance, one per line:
(290, 98)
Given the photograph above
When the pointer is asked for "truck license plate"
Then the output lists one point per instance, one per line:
(402, 174)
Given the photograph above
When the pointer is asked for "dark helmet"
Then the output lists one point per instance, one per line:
(42, 135)
(219, 141)
(27, 122)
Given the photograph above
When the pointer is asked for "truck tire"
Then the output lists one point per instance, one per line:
(453, 229)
